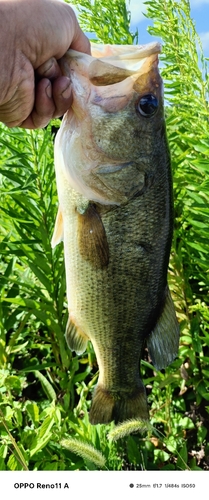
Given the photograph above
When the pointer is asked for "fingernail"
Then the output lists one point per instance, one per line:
(48, 65)
(67, 92)
(49, 91)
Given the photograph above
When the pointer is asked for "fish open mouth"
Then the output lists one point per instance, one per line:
(127, 67)
(110, 64)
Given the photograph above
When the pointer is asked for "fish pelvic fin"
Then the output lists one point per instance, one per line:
(118, 405)
(76, 339)
(58, 230)
(163, 342)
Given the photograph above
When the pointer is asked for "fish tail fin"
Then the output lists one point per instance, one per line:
(118, 406)
(163, 342)
(76, 339)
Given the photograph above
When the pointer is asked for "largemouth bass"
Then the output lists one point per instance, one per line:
(115, 217)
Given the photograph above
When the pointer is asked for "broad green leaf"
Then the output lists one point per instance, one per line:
(186, 423)
(182, 458)
(43, 436)
(14, 464)
(161, 456)
(39, 443)
(33, 411)
(47, 387)
(201, 434)
(133, 451)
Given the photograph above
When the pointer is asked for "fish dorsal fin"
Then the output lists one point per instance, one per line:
(58, 230)
(92, 239)
(163, 342)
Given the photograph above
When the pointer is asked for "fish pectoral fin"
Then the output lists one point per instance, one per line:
(163, 342)
(76, 339)
(58, 230)
(92, 239)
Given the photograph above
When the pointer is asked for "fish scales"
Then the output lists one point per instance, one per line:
(116, 217)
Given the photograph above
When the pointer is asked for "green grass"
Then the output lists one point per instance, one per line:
(45, 390)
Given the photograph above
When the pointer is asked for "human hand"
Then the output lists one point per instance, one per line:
(33, 36)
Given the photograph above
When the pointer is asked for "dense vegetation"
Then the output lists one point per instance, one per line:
(45, 390)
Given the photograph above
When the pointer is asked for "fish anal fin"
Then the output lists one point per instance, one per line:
(58, 230)
(92, 239)
(163, 342)
(119, 406)
(76, 339)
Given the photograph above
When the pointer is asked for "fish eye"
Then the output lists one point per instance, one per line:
(147, 105)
